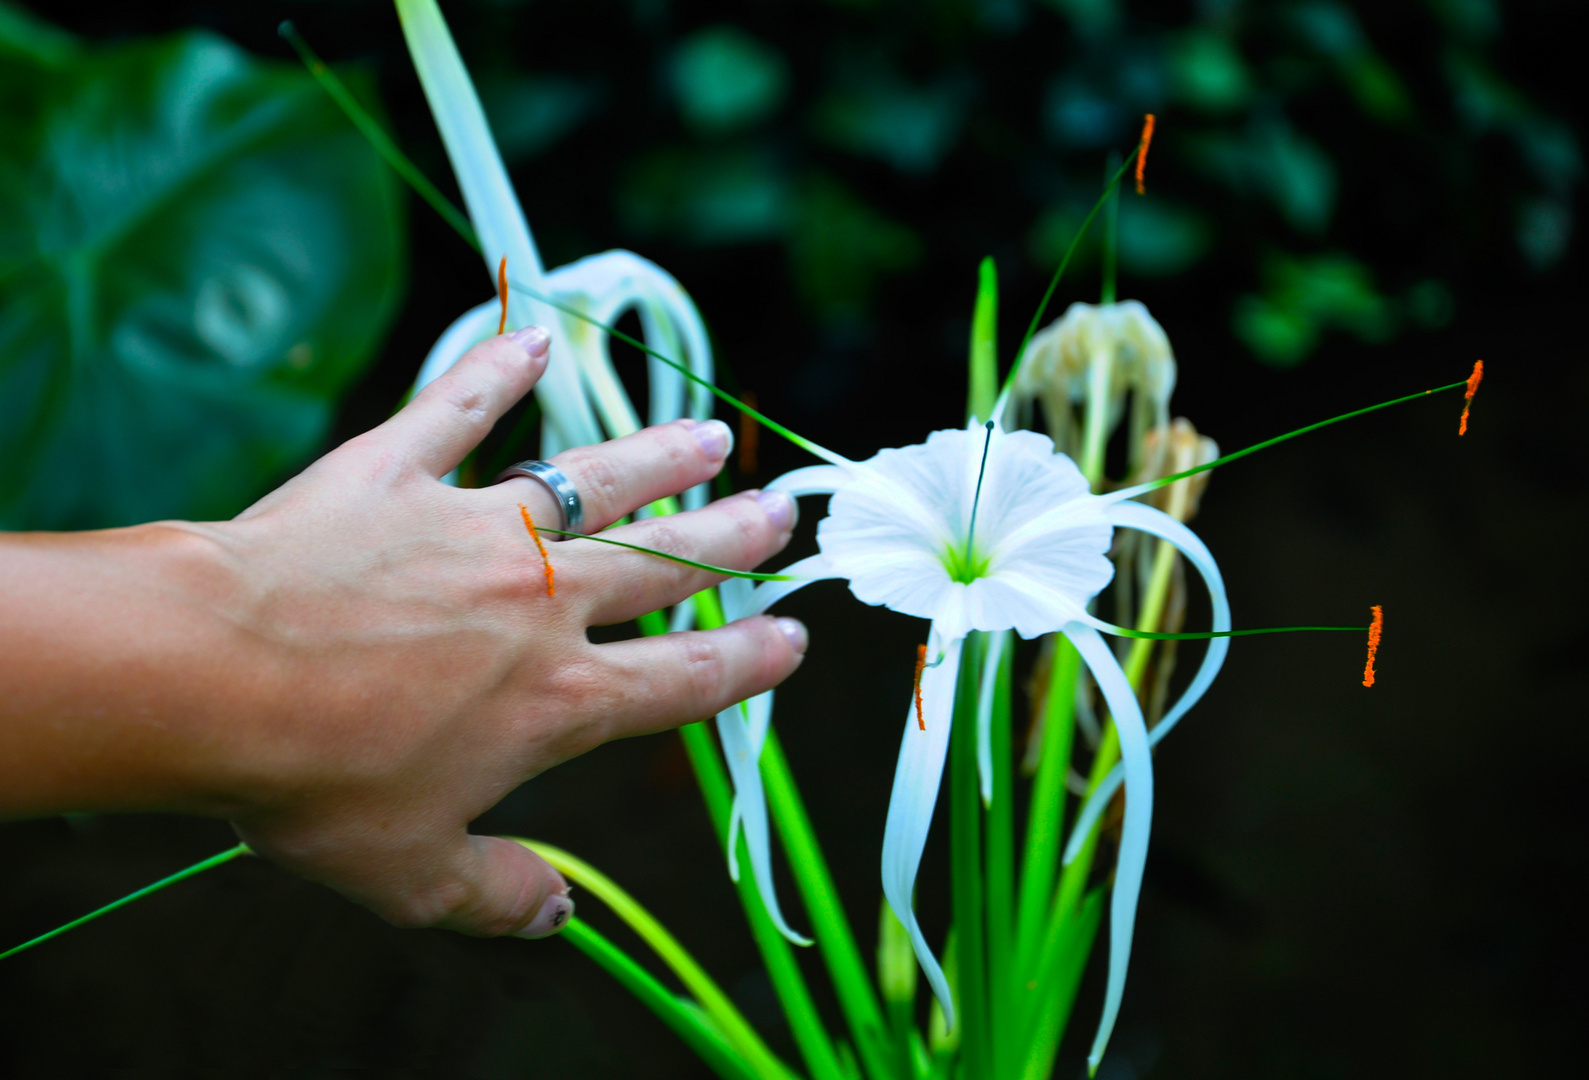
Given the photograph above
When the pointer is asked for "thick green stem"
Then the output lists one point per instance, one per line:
(782, 968)
(728, 1019)
(834, 937)
(1000, 820)
(687, 1022)
(1062, 962)
(1045, 820)
(965, 859)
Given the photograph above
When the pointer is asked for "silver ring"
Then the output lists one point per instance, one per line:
(556, 481)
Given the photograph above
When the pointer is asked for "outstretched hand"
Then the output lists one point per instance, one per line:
(366, 660)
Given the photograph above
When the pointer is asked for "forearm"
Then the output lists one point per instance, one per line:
(124, 674)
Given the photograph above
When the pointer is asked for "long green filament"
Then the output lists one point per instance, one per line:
(1153, 485)
(181, 875)
(749, 575)
(378, 138)
(968, 565)
(799, 440)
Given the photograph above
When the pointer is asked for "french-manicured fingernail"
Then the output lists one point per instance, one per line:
(552, 917)
(795, 631)
(715, 438)
(533, 339)
(780, 509)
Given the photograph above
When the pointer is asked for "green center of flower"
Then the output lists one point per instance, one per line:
(966, 564)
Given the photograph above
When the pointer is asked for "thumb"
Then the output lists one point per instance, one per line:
(506, 889)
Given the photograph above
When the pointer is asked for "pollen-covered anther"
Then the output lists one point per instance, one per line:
(535, 534)
(1467, 398)
(1142, 153)
(502, 294)
(921, 664)
(1375, 628)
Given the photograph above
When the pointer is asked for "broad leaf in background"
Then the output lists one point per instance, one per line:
(197, 255)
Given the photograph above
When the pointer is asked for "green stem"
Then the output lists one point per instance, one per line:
(1001, 875)
(1111, 237)
(733, 1025)
(965, 860)
(782, 968)
(1045, 818)
(181, 875)
(984, 375)
(1063, 960)
(834, 937)
(689, 1024)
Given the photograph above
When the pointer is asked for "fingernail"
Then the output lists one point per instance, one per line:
(533, 339)
(795, 632)
(780, 509)
(715, 438)
(552, 917)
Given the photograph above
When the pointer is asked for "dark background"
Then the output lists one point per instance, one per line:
(1342, 882)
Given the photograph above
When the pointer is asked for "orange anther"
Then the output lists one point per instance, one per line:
(921, 665)
(529, 523)
(1142, 153)
(502, 293)
(1375, 628)
(1467, 400)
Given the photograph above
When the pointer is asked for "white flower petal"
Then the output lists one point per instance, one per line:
(743, 730)
(997, 643)
(1138, 762)
(917, 777)
(1146, 518)
(765, 595)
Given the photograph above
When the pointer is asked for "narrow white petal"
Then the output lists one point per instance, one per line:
(1138, 762)
(743, 730)
(1137, 516)
(811, 480)
(910, 808)
(768, 593)
(997, 642)
(495, 213)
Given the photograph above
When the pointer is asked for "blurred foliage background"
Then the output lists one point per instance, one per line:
(206, 278)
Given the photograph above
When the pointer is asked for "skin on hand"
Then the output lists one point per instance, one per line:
(365, 661)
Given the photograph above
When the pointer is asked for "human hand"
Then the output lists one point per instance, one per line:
(417, 670)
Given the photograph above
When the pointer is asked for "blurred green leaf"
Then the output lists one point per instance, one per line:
(840, 248)
(1157, 238)
(707, 197)
(531, 113)
(726, 80)
(875, 113)
(1304, 297)
(1208, 72)
(197, 253)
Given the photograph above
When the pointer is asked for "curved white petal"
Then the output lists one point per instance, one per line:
(811, 480)
(1138, 762)
(768, 593)
(997, 643)
(495, 213)
(743, 730)
(1137, 516)
(910, 806)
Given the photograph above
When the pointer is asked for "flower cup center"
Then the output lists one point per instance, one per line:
(965, 563)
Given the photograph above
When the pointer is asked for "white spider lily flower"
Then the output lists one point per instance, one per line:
(582, 400)
(900, 531)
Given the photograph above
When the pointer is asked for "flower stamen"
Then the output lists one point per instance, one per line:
(921, 664)
(1142, 153)
(1375, 628)
(1467, 399)
(529, 524)
(502, 294)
